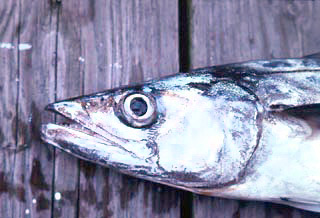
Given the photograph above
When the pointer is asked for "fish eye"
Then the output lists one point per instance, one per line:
(138, 109)
(138, 106)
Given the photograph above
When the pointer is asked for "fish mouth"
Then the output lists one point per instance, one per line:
(68, 110)
(75, 111)
(87, 140)
(77, 137)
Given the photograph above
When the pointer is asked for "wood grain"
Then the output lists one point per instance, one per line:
(80, 47)
(9, 19)
(33, 165)
(69, 84)
(230, 31)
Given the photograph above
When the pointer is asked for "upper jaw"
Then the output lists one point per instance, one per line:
(71, 137)
(72, 110)
(76, 111)
(89, 141)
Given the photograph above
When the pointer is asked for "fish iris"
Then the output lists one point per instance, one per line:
(138, 106)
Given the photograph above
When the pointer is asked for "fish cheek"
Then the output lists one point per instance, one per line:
(189, 140)
(211, 139)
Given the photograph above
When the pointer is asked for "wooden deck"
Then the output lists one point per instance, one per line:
(55, 49)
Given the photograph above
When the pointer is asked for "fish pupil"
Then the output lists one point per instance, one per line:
(138, 106)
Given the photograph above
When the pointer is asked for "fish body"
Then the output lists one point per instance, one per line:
(245, 131)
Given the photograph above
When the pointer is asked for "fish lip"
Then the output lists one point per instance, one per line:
(72, 110)
(74, 125)
(56, 136)
(75, 111)
(83, 128)
(43, 132)
(51, 108)
(89, 145)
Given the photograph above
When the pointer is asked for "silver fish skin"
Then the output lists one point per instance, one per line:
(244, 131)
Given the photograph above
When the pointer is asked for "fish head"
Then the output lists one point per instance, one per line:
(186, 130)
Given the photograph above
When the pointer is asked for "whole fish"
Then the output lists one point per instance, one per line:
(245, 131)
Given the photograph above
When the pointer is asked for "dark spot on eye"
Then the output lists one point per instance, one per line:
(273, 64)
(138, 106)
(102, 99)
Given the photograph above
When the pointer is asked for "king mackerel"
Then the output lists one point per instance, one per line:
(245, 131)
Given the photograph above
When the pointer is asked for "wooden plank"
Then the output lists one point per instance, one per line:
(107, 44)
(69, 84)
(33, 165)
(125, 42)
(230, 31)
(9, 16)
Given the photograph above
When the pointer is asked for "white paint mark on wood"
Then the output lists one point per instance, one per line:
(27, 211)
(21, 46)
(24, 46)
(6, 45)
(57, 196)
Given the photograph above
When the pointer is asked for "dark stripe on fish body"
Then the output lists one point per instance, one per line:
(201, 86)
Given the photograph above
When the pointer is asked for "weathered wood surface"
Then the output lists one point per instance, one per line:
(27, 73)
(80, 47)
(8, 101)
